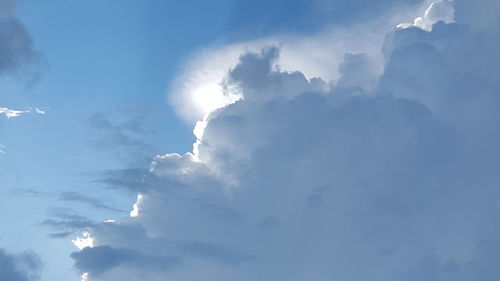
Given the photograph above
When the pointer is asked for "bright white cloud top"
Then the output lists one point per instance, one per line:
(385, 169)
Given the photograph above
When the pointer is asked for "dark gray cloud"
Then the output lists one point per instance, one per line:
(213, 252)
(21, 267)
(16, 46)
(98, 260)
(7, 6)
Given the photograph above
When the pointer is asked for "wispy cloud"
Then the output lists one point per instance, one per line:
(69, 196)
(11, 113)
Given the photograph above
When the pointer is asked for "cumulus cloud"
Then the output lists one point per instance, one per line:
(376, 175)
(199, 88)
(21, 267)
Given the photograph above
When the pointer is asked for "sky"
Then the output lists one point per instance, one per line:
(234, 140)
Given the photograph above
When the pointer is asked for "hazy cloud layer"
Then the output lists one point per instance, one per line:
(378, 177)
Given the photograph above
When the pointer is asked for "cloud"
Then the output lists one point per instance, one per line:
(68, 223)
(126, 133)
(16, 46)
(69, 196)
(40, 111)
(391, 171)
(96, 261)
(22, 267)
(93, 202)
(441, 10)
(482, 14)
(7, 6)
(199, 87)
(17, 52)
(11, 113)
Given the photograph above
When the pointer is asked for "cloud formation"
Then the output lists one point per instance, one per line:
(373, 176)
(16, 45)
(101, 259)
(11, 113)
(441, 10)
(22, 267)
(16, 51)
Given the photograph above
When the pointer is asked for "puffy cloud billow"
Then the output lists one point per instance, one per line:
(375, 176)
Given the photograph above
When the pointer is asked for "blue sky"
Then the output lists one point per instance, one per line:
(249, 140)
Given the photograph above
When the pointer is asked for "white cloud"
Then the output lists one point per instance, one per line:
(135, 208)
(85, 277)
(83, 242)
(199, 89)
(11, 113)
(40, 111)
(392, 172)
(440, 10)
